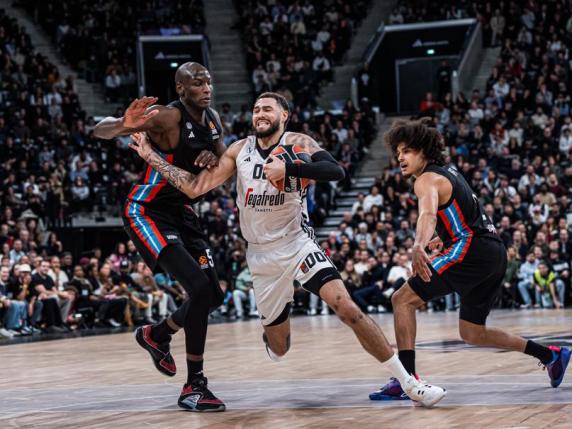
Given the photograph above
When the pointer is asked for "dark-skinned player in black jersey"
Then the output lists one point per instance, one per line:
(472, 262)
(165, 229)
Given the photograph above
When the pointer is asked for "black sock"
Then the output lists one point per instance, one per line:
(544, 354)
(194, 369)
(407, 358)
(162, 332)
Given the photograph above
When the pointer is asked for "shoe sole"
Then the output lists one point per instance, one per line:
(141, 341)
(388, 398)
(565, 363)
(218, 409)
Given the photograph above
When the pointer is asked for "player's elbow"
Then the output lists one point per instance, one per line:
(339, 174)
(191, 191)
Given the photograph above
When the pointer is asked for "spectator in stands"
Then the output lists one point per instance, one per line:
(15, 312)
(350, 277)
(526, 280)
(549, 292)
(243, 291)
(54, 301)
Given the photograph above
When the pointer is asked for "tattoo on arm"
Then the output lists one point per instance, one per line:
(306, 142)
(176, 176)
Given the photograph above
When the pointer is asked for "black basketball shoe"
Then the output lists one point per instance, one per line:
(160, 354)
(197, 397)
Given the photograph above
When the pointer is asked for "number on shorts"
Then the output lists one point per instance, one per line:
(312, 258)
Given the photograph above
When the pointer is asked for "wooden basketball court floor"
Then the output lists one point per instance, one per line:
(324, 381)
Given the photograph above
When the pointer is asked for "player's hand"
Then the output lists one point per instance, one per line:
(435, 244)
(275, 169)
(135, 116)
(206, 159)
(421, 264)
(140, 144)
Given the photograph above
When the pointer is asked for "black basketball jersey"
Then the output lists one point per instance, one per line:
(153, 190)
(463, 216)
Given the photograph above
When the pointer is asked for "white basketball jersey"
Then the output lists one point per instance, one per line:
(266, 214)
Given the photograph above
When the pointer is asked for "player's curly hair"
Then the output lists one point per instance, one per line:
(419, 136)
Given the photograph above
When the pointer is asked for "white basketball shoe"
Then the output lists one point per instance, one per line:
(422, 393)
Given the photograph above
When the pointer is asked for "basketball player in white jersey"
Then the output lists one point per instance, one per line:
(281, 249)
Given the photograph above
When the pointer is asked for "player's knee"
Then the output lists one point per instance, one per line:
(405, 296)
(399, 297)
(473, 337)
(348, 311)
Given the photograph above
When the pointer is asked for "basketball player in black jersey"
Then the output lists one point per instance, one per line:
(472, 262)
(165, 229)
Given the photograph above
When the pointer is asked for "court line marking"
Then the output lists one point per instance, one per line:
(84, 404)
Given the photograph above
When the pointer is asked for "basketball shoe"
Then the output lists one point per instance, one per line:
(392, 391)
(197, 397)
(557, 368)
(160, 354)
(423, 394)
(418, 390)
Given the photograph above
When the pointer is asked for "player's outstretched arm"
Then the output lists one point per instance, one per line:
(190, 184)
(322, 168)
(141, 115)
(427, 193)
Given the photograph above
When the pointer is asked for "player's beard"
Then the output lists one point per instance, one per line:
(274, 126)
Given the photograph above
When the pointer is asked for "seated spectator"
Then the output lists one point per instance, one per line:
(56, 304)
(350, 277)
(549, 292)
(15, 312)
(510, 279)
(23, 290)
(243, 290)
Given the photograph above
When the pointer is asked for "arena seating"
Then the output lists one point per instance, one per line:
(512, 143)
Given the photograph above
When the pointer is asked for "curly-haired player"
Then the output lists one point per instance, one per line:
(472, 262)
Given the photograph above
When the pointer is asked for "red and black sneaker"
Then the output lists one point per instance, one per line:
(160, 354)
(197, 397)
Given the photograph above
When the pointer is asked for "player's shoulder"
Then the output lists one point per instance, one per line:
(235, 147)
(167, 112)
(427, 179)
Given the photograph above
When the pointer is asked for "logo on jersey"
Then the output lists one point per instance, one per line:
(264, 201)
(203, 262)
(191, 135)
(214, 131)
(247, 159)
(189, 126)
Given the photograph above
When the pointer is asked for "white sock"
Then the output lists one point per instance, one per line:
(397, 369)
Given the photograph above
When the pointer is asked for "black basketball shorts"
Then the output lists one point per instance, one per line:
(474, 268)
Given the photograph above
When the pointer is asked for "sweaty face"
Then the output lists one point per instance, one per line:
(195, 87)
(267, 116)
(411, 162)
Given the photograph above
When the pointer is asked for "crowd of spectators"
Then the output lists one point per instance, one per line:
(513, 145)
(292, 46)
(52, 168)
(43, 290)
(98, 38)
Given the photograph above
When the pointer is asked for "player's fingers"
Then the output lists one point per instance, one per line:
(149, 101)
(133, 146)
(149, 115)
(200, 161)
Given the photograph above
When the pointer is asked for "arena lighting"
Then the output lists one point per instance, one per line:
(174, 65)
(430, 51)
